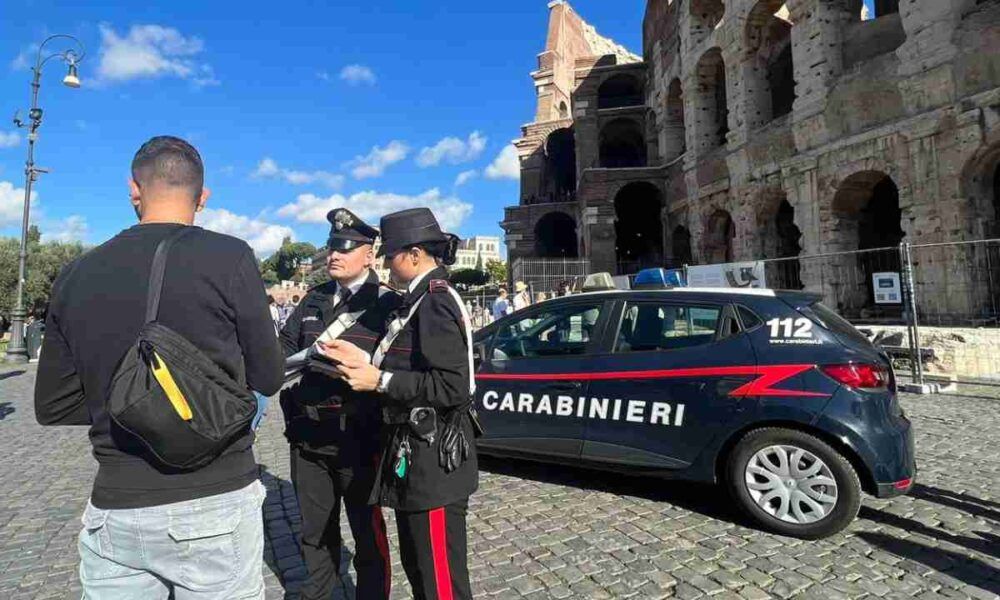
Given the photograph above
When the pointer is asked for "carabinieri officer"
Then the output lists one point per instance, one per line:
(334, 430)
(422, 371)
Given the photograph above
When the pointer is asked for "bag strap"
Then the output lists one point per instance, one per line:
(158, 270)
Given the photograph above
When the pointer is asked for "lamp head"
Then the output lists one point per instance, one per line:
(72, 78)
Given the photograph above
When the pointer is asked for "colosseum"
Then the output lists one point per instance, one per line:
(762, 129)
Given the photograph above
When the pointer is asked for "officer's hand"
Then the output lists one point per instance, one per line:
(340, 351)
(361, 375)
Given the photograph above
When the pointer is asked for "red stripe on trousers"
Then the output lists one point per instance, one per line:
(382, 541)
(439, 549)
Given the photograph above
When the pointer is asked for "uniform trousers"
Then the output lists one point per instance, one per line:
(321, 484)
(434, 551)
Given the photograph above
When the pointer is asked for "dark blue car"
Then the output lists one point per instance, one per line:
(769, 393)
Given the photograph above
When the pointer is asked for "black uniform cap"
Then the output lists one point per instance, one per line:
(348, 231)
(408, 228)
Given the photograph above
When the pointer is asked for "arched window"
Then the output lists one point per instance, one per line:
(770, 76)
(638, 227)
(555, 236)
(622, 145)
(719, 237)
(563, 110)
(711, 104)
(675, 142)
(705, 17)
(560, 165)
(619, 91)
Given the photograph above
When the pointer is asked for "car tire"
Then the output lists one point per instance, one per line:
(793, 499)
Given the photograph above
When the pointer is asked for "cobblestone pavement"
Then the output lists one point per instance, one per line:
(539, 532)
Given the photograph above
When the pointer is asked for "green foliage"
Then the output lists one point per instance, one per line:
(44, 263)
(497, 270)
(282, 264)
(469, 277)
(317, 277)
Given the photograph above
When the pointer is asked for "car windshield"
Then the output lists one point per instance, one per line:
(828, 319)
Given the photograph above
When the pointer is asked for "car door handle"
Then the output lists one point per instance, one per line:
(565, 386)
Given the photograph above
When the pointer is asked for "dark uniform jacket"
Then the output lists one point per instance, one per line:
(429, 361)
(330, 398)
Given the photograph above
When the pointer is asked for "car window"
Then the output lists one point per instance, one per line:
(828, 319)
(562, 331)
(650, 326)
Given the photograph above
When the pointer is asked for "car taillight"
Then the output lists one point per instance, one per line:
(860, 376)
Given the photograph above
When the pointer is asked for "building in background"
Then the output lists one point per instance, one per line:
(286, 290)
(476, 251)
(759, 129)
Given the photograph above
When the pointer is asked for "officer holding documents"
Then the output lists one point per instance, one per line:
(333, 430)
(421, 371)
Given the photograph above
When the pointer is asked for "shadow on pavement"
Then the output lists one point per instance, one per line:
(980, 544)
(5, 410)
(10, 374)
(282, 540)
(966, 569)
(963, 502)
(705, 499)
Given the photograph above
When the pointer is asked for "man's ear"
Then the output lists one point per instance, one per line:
(134, 196)
(205, 193)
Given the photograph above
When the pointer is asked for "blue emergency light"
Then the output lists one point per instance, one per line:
(658, 279)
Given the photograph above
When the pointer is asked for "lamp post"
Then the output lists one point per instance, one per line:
(17, 351)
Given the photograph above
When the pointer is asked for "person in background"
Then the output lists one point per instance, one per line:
(539, 297)
(522, 299)
(501, 306)
(149, 533)
(564, 288)
(272, 307)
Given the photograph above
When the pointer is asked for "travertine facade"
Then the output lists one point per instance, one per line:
(757, 129)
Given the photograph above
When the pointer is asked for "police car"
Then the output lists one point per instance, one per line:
(769, 393)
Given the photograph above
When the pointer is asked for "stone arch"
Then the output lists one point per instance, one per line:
(555, 236)
(563, 110)
(720, 230)
(711, 103)
(680, 246)
(981, 185)
(622, 144)
(638, 227)
(768, 69)
(620, 90)
(560, 165)
(780, 238)
(867, 216)
(705, 17)
(675, 141)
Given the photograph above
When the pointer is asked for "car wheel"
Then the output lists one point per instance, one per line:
(793, 483)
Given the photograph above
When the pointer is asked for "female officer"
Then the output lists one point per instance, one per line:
(422, 370)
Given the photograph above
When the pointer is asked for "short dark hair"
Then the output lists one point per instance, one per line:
(270, 299)
(170, 161)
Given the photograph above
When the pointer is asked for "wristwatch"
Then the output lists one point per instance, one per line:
(383, 382)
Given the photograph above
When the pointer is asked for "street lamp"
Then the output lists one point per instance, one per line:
(17, 352)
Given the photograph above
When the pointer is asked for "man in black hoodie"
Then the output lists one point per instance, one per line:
(147, 532)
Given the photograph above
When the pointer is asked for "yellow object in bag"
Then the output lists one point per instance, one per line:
(166, 381)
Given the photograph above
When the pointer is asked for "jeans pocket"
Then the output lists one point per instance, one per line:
(95, 531)
(208, 545)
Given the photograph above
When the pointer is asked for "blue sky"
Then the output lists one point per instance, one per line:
(293, 109)
(378, 105)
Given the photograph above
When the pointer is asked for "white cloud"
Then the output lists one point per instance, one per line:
(151, 51)
(506, 165)
(71, 229)
(268, 168)
(378, 160)
(9, 140)
(263, 237)
(24, 58)
(358, 75)
(465, 177)
(12, 203)
(453, 150)
(324, 75)
(450, 211)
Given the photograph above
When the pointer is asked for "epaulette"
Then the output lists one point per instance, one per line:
(438, 285)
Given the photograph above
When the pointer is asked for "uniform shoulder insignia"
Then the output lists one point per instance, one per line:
(438, 286)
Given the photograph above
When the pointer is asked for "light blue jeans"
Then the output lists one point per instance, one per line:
(209, 548)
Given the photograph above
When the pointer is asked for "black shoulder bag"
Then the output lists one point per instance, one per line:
(173, 400)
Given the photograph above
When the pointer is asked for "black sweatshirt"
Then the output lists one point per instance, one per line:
(212, 295)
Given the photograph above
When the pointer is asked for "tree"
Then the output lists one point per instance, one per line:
(44, 263)
(317, 277)
(469, 277)
(284, 263)
(497, 270)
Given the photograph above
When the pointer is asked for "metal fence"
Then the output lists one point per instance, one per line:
(544, 275)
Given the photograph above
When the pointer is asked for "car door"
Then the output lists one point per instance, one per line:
(528, 384)
(678, 370)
